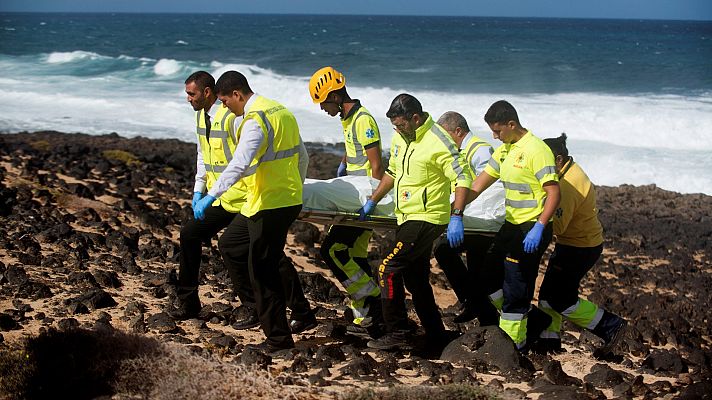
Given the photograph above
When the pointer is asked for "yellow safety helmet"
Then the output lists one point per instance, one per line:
(325, 81)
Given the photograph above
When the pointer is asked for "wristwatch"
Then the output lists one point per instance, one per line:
(456, 212)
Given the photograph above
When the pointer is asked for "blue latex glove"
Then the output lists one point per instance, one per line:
(531, 242)
(203, 204)
(341, 171)
(455, 231)
(196, 198)
(366, 210)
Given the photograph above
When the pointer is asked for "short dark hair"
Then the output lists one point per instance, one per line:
(404, 105)
(501, 112)
(452, 120)
(232, 80)
(558, 145)
(202, 79)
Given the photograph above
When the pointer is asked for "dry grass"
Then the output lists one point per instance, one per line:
(121, 155)
(178, 374)
(445, 392)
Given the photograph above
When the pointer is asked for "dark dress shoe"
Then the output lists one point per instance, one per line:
(467, 314)
(300, 326)
(248, 322)
(184, 312)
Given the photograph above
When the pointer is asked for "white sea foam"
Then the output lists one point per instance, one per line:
(166, 67)
(67, 57)
(617, 139)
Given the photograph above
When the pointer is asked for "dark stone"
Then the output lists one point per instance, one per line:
(67, 324)
(557, 392)
(162, 323)
(108, 279)
(251, 356)
(603, 376)
(359, 366)
(305, 233)
(77, 307)
(136, 324)
(82, 278)
(33, 290)
(30, 259)
(7, 323)
(16, 275)
(299, 364)
(330, 352)
(697, 391)
(484, 345)
(96, 299)
(318, 288)
(224, 341)
(666, 361)
(557, 376)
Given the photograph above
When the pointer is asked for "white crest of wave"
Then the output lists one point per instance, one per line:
(167, 66)
(617, 139)
(77, 55)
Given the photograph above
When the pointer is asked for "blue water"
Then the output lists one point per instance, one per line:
(635, 97)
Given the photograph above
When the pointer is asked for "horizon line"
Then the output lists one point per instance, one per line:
(356, 15)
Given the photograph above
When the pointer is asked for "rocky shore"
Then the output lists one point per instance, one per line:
(89, 248)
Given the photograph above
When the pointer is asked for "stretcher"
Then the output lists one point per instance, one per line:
(336, 201)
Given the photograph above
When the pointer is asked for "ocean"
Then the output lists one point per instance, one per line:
(633, 96)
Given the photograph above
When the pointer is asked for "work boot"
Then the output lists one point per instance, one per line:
(297, 326)
(269, 348)
(389, 342)
(467, 313)
(188, 304)
(547, 346)
(537, 321)
(246, 318)
(610, 328)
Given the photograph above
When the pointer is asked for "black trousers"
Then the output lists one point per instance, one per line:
(567, 266)
(509, 268)
(463, 279)
(254, 248)
(192, 235)
(408, 266)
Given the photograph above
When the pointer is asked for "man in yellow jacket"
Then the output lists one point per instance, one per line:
(216, 143)
(267, 158)
(525, 165)
(579, 244)
(423, 164)
(464, 280)
(345, 248)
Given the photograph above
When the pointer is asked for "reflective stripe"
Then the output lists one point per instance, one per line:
(596, 318)
(270, 154)
(216, 168)
(512, 316)
(521, 203)
(353, 279)
(549, 169)
(454, 152)
(474, 146)
(494, 164)
(230, 131)
(549, 335)
(519, 187)
(359, 159)
(497, 295)
(201, 131)
(358, 172)
(365, 291)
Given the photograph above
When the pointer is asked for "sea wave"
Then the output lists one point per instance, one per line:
(635, 138)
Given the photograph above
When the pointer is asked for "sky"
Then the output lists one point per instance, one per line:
(623, 9)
